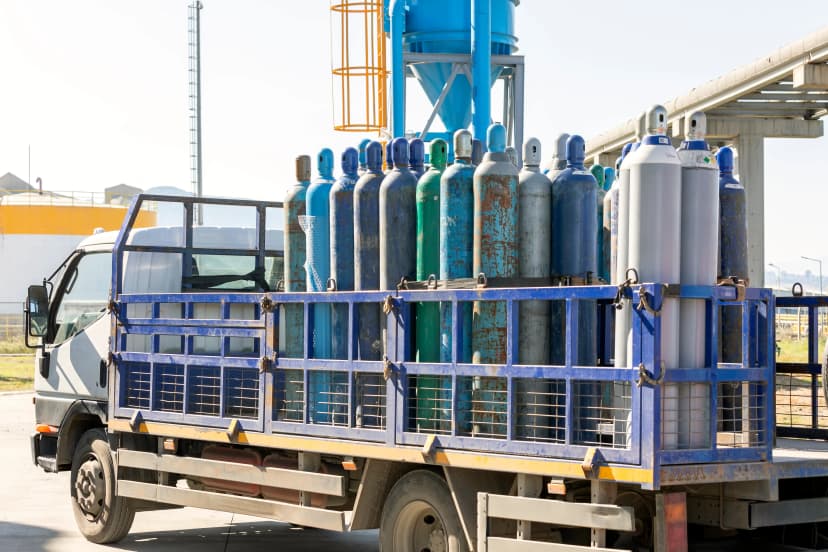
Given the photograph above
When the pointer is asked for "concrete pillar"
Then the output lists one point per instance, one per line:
(751, 165)
(607, 159)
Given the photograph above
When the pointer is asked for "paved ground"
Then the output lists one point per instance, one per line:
(35, 514)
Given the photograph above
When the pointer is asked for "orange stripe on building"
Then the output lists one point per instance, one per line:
(66, 219)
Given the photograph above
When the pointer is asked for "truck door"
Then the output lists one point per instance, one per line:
(77, 342)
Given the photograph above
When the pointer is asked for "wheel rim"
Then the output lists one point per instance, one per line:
(419, 529)
(90, 487)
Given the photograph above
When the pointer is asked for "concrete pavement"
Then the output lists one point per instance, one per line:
(35, 513)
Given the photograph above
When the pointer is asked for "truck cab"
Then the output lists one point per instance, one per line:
(68, 314)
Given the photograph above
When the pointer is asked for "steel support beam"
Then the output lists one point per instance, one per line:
(728, 128)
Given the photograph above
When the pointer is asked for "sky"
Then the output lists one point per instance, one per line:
(98, 90)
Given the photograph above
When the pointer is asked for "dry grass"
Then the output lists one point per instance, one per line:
(794, 392)
(16, 373)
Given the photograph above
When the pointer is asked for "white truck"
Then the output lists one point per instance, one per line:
(69, 312)
(163, 380)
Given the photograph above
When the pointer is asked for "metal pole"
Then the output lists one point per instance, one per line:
(195, 103)
(778, 275)
(397, 14)
(481, 47)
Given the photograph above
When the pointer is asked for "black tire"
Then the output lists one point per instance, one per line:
(101, 516)
(419, 516)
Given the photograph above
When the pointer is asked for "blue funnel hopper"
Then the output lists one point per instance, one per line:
(443, 27)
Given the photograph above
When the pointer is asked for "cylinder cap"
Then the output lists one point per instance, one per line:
(598, 172)
(349, 162)
(462, 144)
(373, 157)
(609, 177)
(477, 152)
(724, 157)
(303, 168)
(324, 163)
(575, 150)
(496, 138)
(362, 146)
(438, 154)
(657, 120)
(512, 153)
(399, 152)
(532, 153)
(416, 152)
(696, 126)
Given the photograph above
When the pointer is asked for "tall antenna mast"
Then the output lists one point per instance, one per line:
(194, 34)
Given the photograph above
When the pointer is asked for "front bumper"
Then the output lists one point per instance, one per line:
(44, 451)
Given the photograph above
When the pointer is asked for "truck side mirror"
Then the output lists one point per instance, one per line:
(37, 311)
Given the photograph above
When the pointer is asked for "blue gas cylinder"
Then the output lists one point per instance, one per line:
(733, 250)
(416, 157)
(317, 234)
(398, 220)
(295, 277)
(456, 240)
(342, 247)
(574, 227)
(495, 255)
(366, 251)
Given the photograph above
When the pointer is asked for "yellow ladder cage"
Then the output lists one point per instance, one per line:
(360, 72)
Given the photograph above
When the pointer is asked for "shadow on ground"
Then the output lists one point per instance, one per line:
(251, 537)
(19, 536)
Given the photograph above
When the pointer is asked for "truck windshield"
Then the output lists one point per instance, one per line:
(84, 294)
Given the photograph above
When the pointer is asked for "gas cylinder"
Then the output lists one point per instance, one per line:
(317, 228)
(430, 395)
(495, 255)
(574, 227)
(574, 231)
(416, 157)
(513, 157)
(558, 161)
(342, 247)
(535, 242)
(535, 227)
(398, 220)
(654, 246)
(620, 232)
(477, 152)
(733, 250)
(317, 234)
(598, 172)
(362, 161)
(428, 250)
(366, 251)
(733, 263)
(389, 157)
(456, 240)
(699, 267)
(605, 262)
(295, 278)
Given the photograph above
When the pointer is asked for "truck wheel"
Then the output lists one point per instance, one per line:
(101, 516)
(419, 516)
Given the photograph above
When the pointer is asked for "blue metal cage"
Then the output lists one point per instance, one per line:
(564, 412)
